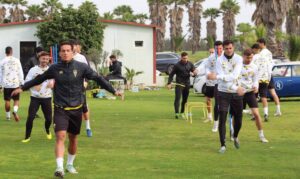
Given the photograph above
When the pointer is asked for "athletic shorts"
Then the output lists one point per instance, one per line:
(210, 90)
(271, 84)
(85, 108)
(263, 89)
(250, 99)
(67, 120)
(7, 94)
(230, 99)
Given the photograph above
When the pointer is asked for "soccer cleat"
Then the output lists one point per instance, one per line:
(208, 120)
(59, 172)
(16, 116)
(176, 116)
(236, 143)
(266, 117)
(26, 140)
(49, 136)
(89, 133)
(222, 149)
(183, 116)
(277, 114)
(8, 118)
(263, 140)
(216, 126)
(71, 169)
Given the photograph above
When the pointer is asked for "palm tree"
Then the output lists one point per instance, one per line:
(230, 8)
(108, 16)
(35, 12)
(211, 27)
(52, 7)
(260, 31)
(271, 14)
(124, 13)
(293, 19)
(2, 14)
(247, 36)
(141, 18)
(130, 74)
(16, 13)
(176, 16)
(158, 15)
(294, 47)
(194, 11)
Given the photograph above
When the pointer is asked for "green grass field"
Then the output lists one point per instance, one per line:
(139, 138)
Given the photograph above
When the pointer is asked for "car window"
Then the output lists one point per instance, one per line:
(282, 71)
(164, 56)
(296, 70)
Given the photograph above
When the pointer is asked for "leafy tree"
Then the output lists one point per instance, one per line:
(108, 16)
(211, 25)
(52, 7)
(81, 24)
(230, 8)
(294, 47)
(35, 12)
(130, 74)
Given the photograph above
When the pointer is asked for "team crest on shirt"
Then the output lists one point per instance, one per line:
(61, 72)
(75, 72)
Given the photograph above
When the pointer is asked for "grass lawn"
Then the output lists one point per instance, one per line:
(139, 138)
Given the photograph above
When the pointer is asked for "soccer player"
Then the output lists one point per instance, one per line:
(41, 95)
(86, 114)
(228, 69)
(249, 81)
(182, 70)
(68, 100)
(263, 60)
(212, 85)
(11, 77)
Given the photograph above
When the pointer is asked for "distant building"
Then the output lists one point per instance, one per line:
(136, 41)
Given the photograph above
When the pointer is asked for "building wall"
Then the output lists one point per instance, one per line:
(13, 35)
(123, 37)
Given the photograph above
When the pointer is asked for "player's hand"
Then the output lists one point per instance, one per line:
(240, 91)
(85, 84)
(16, 92)
(255, 89)
(211, 76)
(169, 86)
(50, 84)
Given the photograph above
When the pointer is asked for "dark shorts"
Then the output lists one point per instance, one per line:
(210, 91)
(69, 121)
(250, 99)
(85, 108)
(7, 94)
(271, 84)
(263, 89)
(230, 99)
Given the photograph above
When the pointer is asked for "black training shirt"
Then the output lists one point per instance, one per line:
(182, 72)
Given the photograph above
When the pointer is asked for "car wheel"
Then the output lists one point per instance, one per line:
(203, 89)
(169, 69)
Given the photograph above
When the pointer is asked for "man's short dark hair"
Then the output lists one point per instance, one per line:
(261, 40)
(248, 52)
(217, 43)
(8, 50)
(255, 46)
(113, 56)
(183, 54)
(66, 43)
(43, 53)
(228, 42)
(39, 49)
(75, 41)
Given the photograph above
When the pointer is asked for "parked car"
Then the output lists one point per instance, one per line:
(165, 61)
(286, 78)
(198, 82)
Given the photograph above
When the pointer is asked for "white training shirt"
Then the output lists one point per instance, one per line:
(228, 72)
(248, 77)
(44, 91)
(80, 58)
(264, 63)
(210, 67)
(11, 72)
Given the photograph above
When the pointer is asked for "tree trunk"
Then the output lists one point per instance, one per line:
(194, 12)
(211, 28)
(271, 38)
(228, 26)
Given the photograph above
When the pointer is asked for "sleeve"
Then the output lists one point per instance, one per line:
(192, 67)
(117, 69)
(171, 75)
(21, 74)
(1, 76)
(255, 77)
(40, 78)
(29, 75)
(206, 66)
(270, 65)
(92, 75)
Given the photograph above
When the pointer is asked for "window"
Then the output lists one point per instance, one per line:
(296, 70)
(139, 43)
(282, 71)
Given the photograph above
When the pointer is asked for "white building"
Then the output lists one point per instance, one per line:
(135, 41)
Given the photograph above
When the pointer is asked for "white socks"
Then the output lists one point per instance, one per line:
(7, 115)
(87, 124)
(266, 111)
(60, 162)
(209, 115)
(278, 108)
(16, 109)
(261, 133)
(70, 159)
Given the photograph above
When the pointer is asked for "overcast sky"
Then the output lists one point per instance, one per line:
(141, 6)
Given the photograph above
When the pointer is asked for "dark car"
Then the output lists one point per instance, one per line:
(165, 61)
